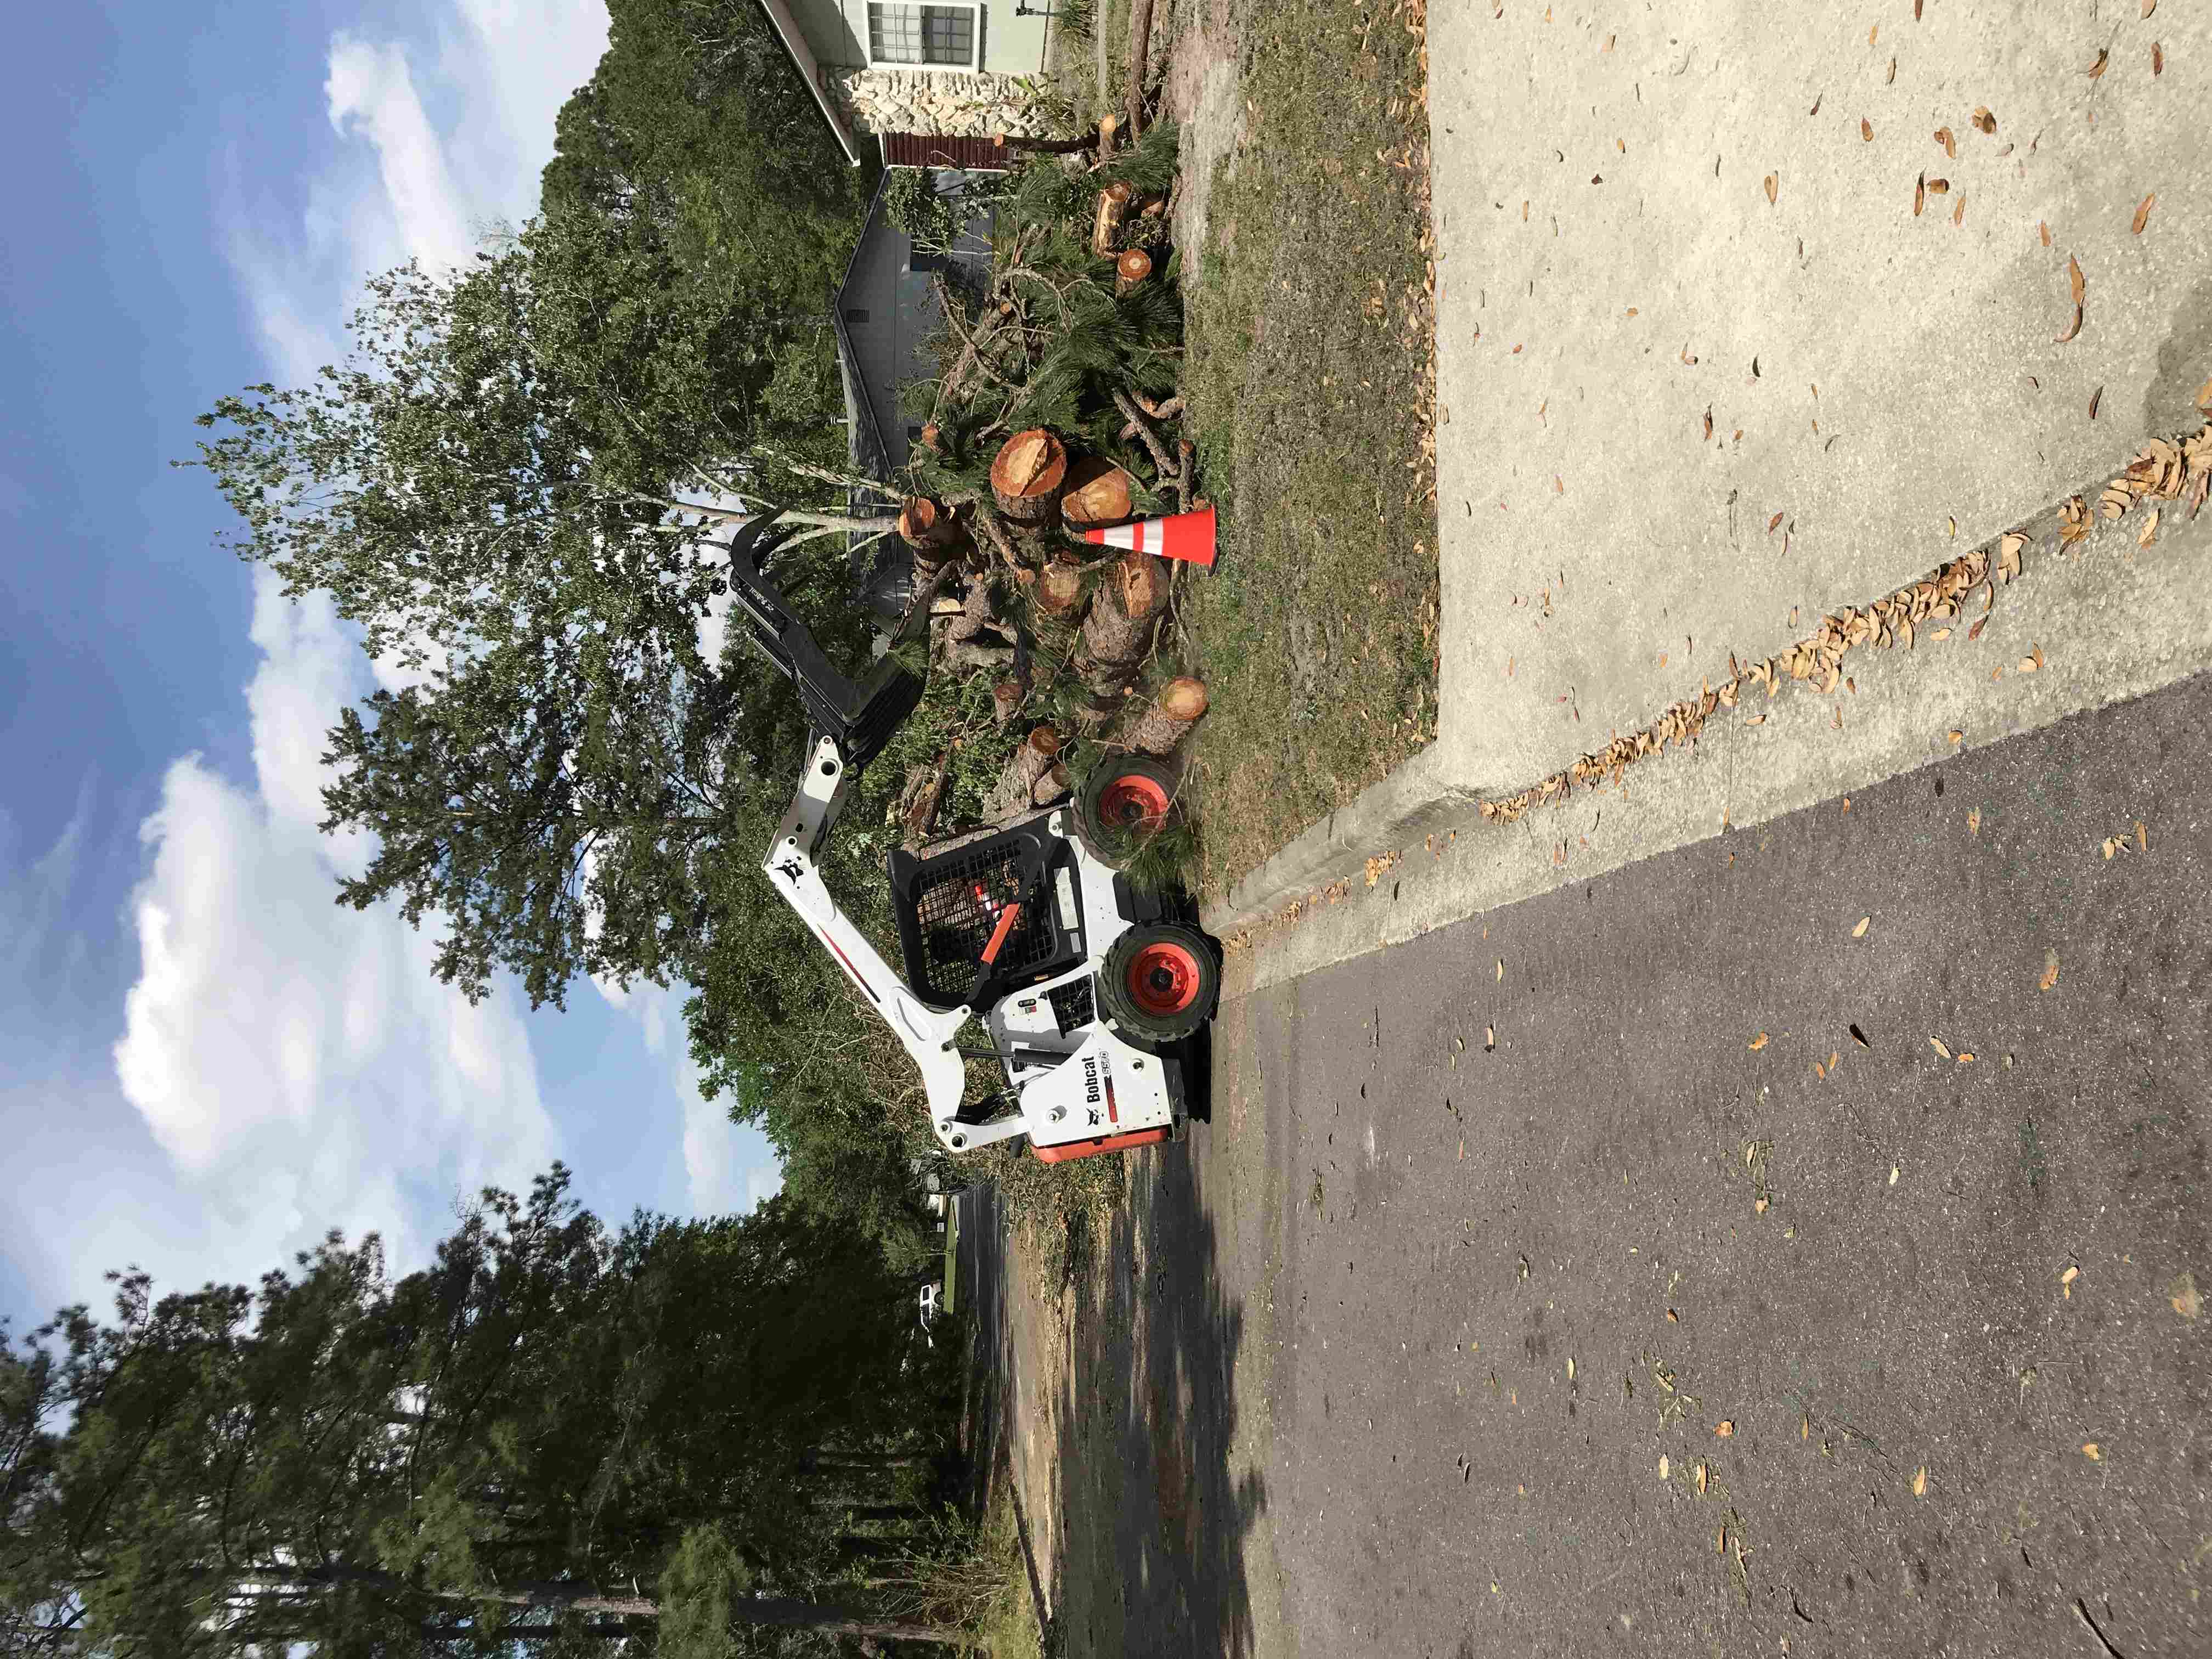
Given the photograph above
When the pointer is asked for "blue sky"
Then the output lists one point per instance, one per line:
(207, 1063)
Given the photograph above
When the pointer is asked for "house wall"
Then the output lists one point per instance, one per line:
(956, 101)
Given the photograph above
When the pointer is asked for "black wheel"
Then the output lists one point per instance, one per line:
(1159, 984)
(1123, 804)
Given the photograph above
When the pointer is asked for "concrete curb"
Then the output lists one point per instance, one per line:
(1415, 800)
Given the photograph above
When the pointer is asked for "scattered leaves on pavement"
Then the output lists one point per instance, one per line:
(1937, 1043)
(2142, 213)
(1920, 1481)
(1859, 931)
(2049, 971)
(1724, 1428)
(1758, 1043)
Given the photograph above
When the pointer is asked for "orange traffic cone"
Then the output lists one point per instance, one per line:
(1187, 535)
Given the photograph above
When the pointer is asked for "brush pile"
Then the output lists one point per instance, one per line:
(1057, 413)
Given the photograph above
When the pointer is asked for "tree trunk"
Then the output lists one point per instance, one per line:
(1059, 592)
(1026, 475)
(1118, 632)
(1096, 492)
(1041, 146)
(976, 611)
(1180, 706)
(932, 535)
(1140, 40)
(783, 1612)
(1031, 763)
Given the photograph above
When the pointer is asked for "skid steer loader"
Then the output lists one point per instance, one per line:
(1088, 991)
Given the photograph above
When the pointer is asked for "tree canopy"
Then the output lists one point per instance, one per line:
(540, 1433)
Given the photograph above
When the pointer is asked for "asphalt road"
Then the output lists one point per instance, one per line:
(1536, 1201)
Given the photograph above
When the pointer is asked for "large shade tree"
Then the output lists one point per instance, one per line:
(550, 1435)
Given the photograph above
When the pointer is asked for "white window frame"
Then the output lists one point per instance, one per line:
(975, 64)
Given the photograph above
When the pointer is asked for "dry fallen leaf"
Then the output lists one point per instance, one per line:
(2049, 971)
(1965, 1056)
(2142, 837)
(1983, 121)
(1773, 184)
(1859, 931)
(1725, 1427)
(1866, 129)
(2073, 277)
(1709, 422)
(1891, 79)
(2093, 1452)
(1805, 1426)
(2043, 231)
(2181, 1291)
(1772, 522)
(2148, 7)
(2098, 68)
(1975, 632)
(2142, 213)
(2149, 533)
(2073, 1272)
(1665, 1468)
(2072, 329)
(1920, 1481)
(1859, 1038)
(1937, 1043)
(1759, 1206)
(2157, 59)
(1701, 1479)
(1950, 145)
(1939, 186)
(2205, 397)
(1893, 1173)
(1957, 737)
(1501, 968)
(2009, 551)
(1919, 195)
(1758, 1043)
(2095, 398)
(1974, 821)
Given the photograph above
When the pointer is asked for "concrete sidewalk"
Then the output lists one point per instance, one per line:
(1612, 268)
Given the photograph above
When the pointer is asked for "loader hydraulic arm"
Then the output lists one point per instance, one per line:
(852, 722)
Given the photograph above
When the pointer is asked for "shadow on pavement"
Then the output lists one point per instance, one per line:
(1151, 1552)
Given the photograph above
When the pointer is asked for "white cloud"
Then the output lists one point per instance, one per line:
(295, 1060)
(296, 1064)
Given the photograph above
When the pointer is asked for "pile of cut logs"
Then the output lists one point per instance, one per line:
(1105, 612)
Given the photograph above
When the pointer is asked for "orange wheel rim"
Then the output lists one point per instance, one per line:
(1163, 979)
(1133, 801)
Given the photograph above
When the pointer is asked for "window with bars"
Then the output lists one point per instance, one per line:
(928, 35)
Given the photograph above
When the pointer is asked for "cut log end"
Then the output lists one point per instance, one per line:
(1026, 475)
(1097, 492)
(1161, 729)
(1059, 591)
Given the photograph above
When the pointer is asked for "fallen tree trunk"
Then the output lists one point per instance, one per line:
(1026, 476)
(1118, 632)
(1034, 761)
(931, 535)
(1096, 492)
(1059, 592)
(1180, 706)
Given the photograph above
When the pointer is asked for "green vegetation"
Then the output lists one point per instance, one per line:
(1308, 385)
(553, 1433)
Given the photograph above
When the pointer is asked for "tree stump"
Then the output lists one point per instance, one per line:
(1031, 764)
(1180, 706)
(1118, 632)
(1026, 476)
(1096, 492)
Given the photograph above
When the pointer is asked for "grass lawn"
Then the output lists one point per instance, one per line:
(1311, 388)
